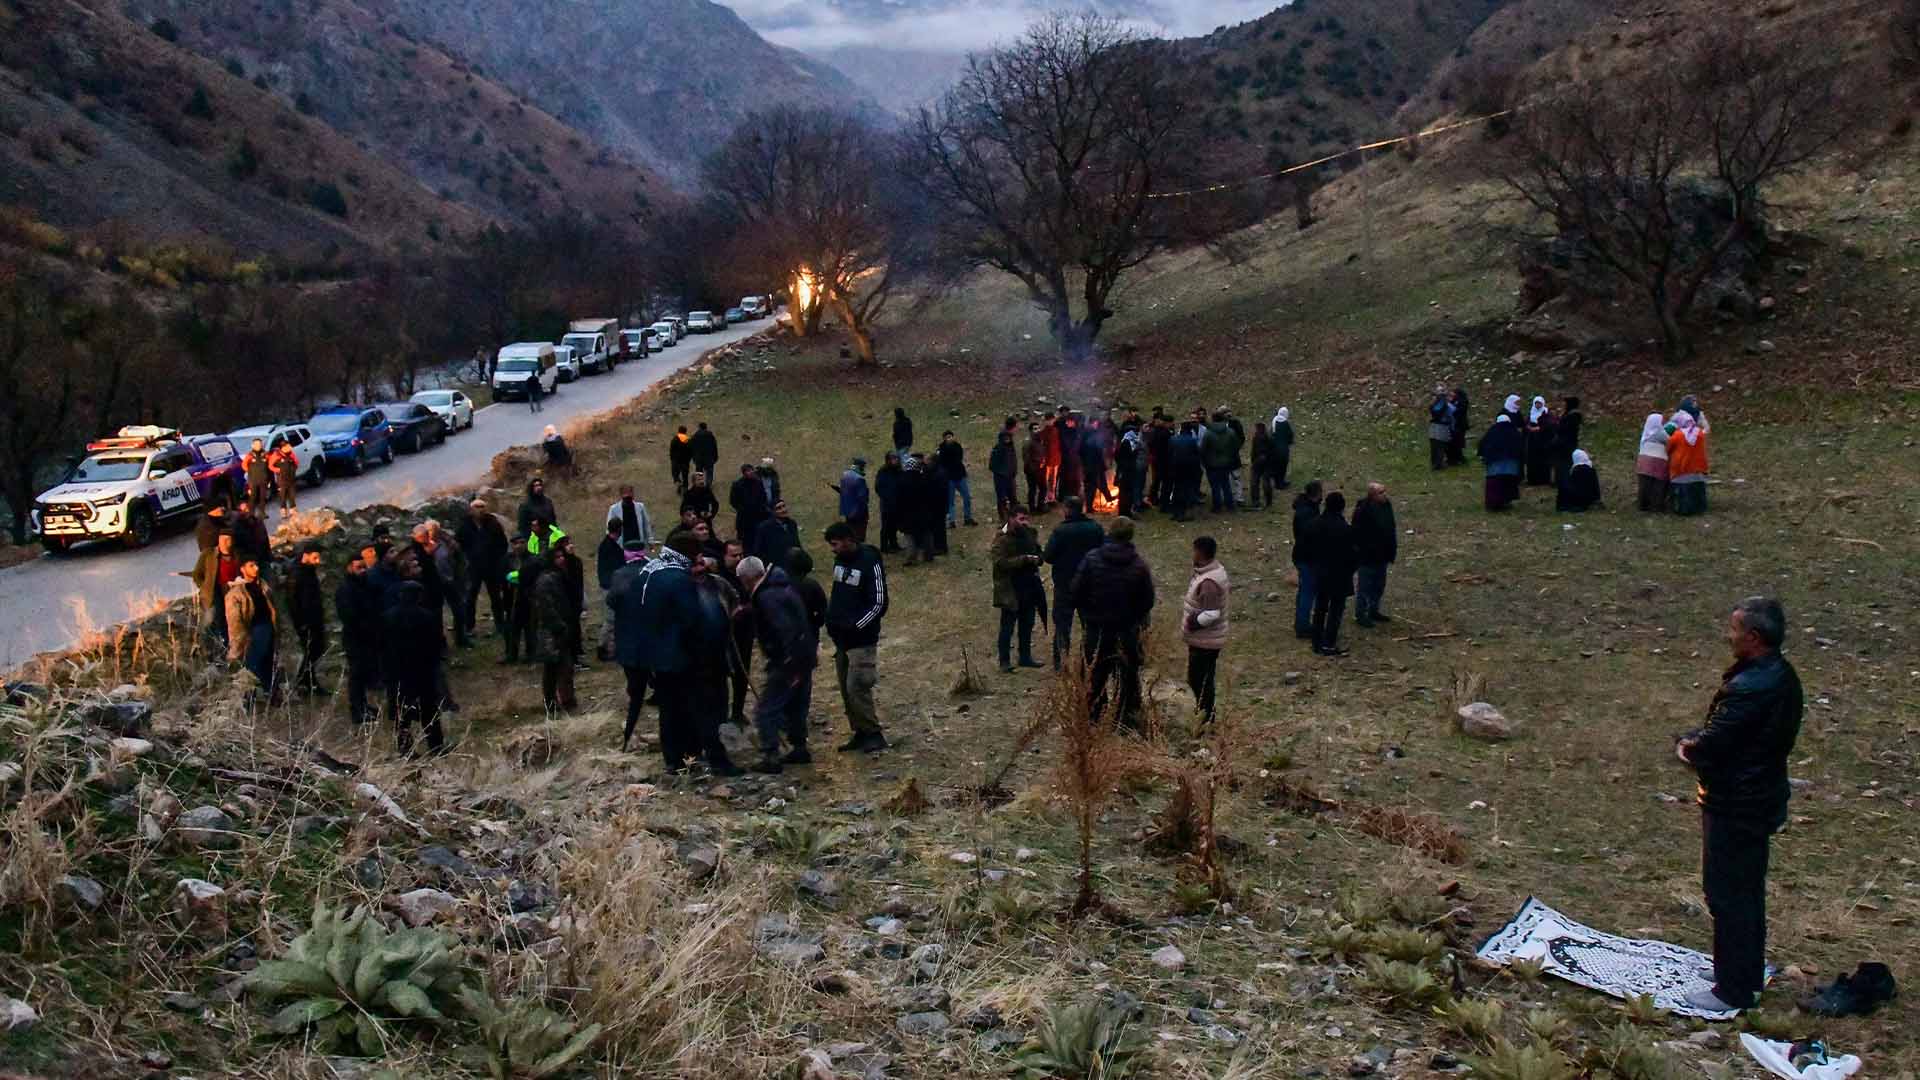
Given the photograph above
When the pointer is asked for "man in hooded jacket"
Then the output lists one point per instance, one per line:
(1113, 591)
(413, 645)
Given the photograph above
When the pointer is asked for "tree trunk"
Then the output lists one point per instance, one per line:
(20, 504)
(862, 333)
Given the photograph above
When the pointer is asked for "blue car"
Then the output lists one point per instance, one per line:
(353, 435)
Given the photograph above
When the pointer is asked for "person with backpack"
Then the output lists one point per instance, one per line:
(855, 606)
(790, 646)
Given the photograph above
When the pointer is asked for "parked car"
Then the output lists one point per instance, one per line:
(131, 482)
(415, 427)
(634, 344)
(679, 322)
(306, 448)
(595, 343)
(454, 408)
(704, 322)
(353, 435)
(756, 307)
(566, 363)
(736, 315)
(520, 365)
(667, 334)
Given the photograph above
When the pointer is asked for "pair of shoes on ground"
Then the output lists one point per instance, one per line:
(1336, 651)
(866, 744)
(771, 765)
(1025, 662)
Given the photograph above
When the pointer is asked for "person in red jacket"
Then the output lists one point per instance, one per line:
(1050, 446)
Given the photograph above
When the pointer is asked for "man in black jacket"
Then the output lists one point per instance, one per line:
(1376, 543)
(309, 613)
(414, 646)
(890, 487)
(749, 502)
(776, 536)
(1741, 759)
(1113, 591)
(953, 462)
(680, 457)
(791, 647)
(536, 505)
(855, 606)
(656, 612)
(484, 540)
(1330, 555)
(1306, 508)
(704, 449)
(1069, 543)
(357, 602)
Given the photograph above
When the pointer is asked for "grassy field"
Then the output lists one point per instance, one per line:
(1601, 634)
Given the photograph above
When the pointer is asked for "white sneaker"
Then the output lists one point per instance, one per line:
(1708, 1001)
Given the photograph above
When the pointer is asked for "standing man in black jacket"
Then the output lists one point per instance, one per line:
(1331, 555)
(1068, 544)
(484, 540)
(1114, 592)
(890, 487)
(357, 602)
(855, 606)
(750, 507)
(309, 613)
(791, 647)
(1741, 758)
(1376, 544)
(704, 450)
(1306, 509)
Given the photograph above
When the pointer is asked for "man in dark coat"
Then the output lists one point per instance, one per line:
(680, 457)
(610, 558)
(536, 505)
(309, 612)
(413, 645)
(1457, 446)
(902, 432)
(707, 648)
(1741, 757)
(776, 536)
(520, 624)
(1017, 591)
(213, 574)
(259, 470)
(1070, 542)
(206, 532)
(750, 507)
(1033, 458)
(1160, 458)
(358, 603)
(250, 539)
(855, 606)
(889, 486)
(1306, 509)
(1003, 464)
(855, 504)
(573, 570)
(554, 616)
(1376, 545)
(1113, 591)
(799, 568)
(704, 450)
(1070, 469)
(740, 652)
(1185, 460)
(791, 646)
(484, 540)
(1330, 552)
(921, 497)
(656, 611)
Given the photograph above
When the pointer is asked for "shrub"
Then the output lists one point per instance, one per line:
(244, 163)
(1476, 1021)
(326, 197)
(165, 30)
(1087, 1041)
(198, 105)
(525, 1039)
(1530, 1062)
(1403, 985)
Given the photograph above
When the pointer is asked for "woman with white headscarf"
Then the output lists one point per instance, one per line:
(1280, 452)
(1651, 466)
(1541, 437)
(1512, 410)
(1581, 488)
(559, 457)
(1687, 464)
(1503, 448)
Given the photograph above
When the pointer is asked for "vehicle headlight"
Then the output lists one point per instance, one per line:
(115, 500)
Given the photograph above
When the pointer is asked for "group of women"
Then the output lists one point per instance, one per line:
(1541, 448)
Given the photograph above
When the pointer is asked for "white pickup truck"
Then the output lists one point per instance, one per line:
(131, 482)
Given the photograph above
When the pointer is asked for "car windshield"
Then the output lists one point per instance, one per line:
(517, 365)
(582, 342)
(434, 399)
(102, 468)
(333, 423)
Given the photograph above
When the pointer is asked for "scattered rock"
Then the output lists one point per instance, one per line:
(792, 952)
(81, 891)
(1443, 1062)
(1291, 678)
(985, 1017)
(836, 982)
(926, 960)
(1169, 958)
(927, 999)
(120, 717)
(1221, 1033)
(885, 926)
(157, 1060)
(1024, 854)
(370, 871)
(17, 1015)
(201, 907)
(422, 906)
(311, 824)
(701, 860)
(207, 827)
(1482, 721)
(525, 929)
(9, 772)
(127, 748)
(180, 1002)
(449, 864)
(964, 858)
(528, 896)
(924, 1023)
(814, 1065)
(993, 1042)
(370, 798)
(819, 887)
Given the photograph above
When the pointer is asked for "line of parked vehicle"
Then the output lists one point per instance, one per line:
(130, 483)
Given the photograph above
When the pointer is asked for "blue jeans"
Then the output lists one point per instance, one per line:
(260, 654)
(1370, 586)
(959, 487)
(1221, 483)
(783, 709)
(1303, 603)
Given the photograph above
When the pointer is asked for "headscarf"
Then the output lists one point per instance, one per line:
(551, 432)
(1539, 410)
(1280, 416)
(1512, 405)
(1653, 429)
(1581, 457)
(1688, 427)
(1503, 418)
(1691, 406)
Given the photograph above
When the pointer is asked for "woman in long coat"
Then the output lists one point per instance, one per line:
(1502, 448)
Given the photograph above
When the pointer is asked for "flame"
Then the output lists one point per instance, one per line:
(806, 286)
(1104, 503)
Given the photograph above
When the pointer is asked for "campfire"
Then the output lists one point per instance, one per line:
(1103, 503)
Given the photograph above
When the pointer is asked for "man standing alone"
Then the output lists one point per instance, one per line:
(1203, 622)
(1741, 758)
(855, 607)
(1376, 544)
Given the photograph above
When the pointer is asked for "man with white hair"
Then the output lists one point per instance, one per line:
(791, 647)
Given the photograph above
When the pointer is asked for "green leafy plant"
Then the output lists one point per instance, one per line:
(1476, 1021)
(803, 841)
(1771, 1025)
(1641, 1010)
(1527, 971)
(1017, 906)
(349, 978)
(1534, 1061)
(1623, 1052)
(1365, 910)
(1408, 986)
(525, 1040)
(1086, 1041)
(1343, 942)
(1411, 946)
(1550, 1027)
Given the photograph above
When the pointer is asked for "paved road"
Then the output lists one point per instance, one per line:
(52, 602)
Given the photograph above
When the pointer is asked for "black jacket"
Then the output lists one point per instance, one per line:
(656, 611)
(1376, 539)
(704, 449)
(1741, 753)
(533, 506)
(773, 539)
(1069, 543)
(1114, 588)
(609, 560)
(902, 430)
(799, 568)
(858, 599)
(413, 642)
(679, 451)
(1502, 442)
(1580, 491)
(887, 486)
(308, 609)
(953, 460)
(485, 543)
(787, 637)
(1003, 461)
(357, 602)
(1331, 555)
(701, 500)
(749, 501)
(206, 533)
(1305, 512)
(1568, 433)
(429, 578)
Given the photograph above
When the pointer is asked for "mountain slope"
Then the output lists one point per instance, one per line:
(661, 82)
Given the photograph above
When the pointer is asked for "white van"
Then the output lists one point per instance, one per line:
(595, 343)
(520, 364)
(567, 361)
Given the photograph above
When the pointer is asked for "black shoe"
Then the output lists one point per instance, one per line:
(798, 756)
(769, 765)
(1857, 994)
(1381, 616)
(726, 769)
(1304, 635)
(873, 744)
(1006, 668)
(1030, 662)
(1363, 622)
(971, 523)
(858, 742)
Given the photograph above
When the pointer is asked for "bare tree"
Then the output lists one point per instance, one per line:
(1613, 164)
(1044, 160)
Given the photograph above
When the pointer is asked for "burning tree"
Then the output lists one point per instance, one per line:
(813, 197)
(1044, 159)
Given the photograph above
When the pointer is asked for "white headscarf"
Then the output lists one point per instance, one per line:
(1688, 426)
(1513, 404)
(1503, 418)
(1539, 410)
(1654, 429)
(1280, 416)
(1581, 457)
(551, 432)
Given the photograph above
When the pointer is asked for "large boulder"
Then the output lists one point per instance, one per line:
(1480, 720)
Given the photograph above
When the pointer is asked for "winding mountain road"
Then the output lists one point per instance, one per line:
(54, 602)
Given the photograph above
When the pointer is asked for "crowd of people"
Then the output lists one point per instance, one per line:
(1536, 446)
